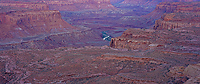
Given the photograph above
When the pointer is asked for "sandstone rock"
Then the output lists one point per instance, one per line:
(193, 80)
(133, 39)
(180, 12)
(151, 2)
(170, 7)
(180, 15)
(176, 74)
(176, 71)
(178, 20)
(90, 64)
(36, 6)
(144, 39)
(17, 24)
(192, 70)
(124, 78)
(71, 5)
(67, 39)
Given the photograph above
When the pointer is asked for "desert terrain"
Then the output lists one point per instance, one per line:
(99, 41)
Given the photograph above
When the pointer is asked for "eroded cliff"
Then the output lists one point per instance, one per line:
(151, 2)
(77, 5)
(28, 5)
(178, 40)
(178, 15)
(18, 23)
(75, 38)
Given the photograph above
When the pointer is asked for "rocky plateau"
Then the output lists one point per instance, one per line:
(167, 38)
(19, 4)
(73, 5)
(178, 15)
(20, 21)
(67, 42)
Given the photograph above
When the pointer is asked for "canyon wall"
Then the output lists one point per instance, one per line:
(78, 38)
(177, 40)
(178, 20)
(116, 1)
(71, 5)
(26, 27)
(178, 27)
(132, 39)
(36, 6)
(20, 24)
(171, 7)
(21, 20)
(178, 15)
(152, 2)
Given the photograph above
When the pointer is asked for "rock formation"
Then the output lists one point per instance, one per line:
(45, 50)
(180, 36)
(178, 15)
(151, 2)
(28, 5)
(75, 38)
(92, 64)
(71, 5)
(132, 39)
(18, 22)
(68, 5)
(116, 1)
(178, 20)
(192, 72)
(185, 75)
(181, 39)
(172, 7)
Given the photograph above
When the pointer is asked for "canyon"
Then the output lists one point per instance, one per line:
(151, 2)
(72, 5)
(103, 64)
(176, 32)
(178, 15)
(180, 39)
(19, 4)
(99, 41)
(17, 24)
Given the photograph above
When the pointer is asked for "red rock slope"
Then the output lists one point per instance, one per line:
(151, 2)
(177, 40)
(91, 65)
(17, 23)
(178, 15)
(71, 5)
(76, 5)
(36, 6)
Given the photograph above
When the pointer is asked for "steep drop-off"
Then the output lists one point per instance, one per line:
(172, 7)
(75, 38)
(177, 40)
(18, 23)
(71, 5)
(178, 15)
(178, 20)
